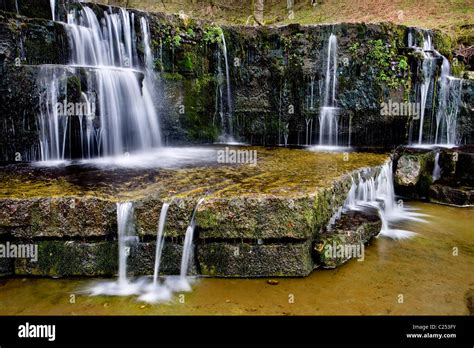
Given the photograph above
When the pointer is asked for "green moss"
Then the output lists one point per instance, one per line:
(390, 68)
(172, 76)
(458, 68)
(212, 35)
(187, 63)
(444, 44)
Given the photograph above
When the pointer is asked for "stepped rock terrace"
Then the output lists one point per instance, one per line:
(283, 202)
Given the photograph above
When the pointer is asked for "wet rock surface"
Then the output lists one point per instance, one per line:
(414, 175)
(459, 196)
(408, 171)
(272, 71)
(269, 213)
(346, 239)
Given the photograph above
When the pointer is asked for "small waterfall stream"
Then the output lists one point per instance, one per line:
(155, 291)
(123, 286)
(378, 192)
(160, 242)
(53, 9)
(126, 236)
(328, 118)
(182, 282)
(227, 135)
(436, 169)
(429, 66)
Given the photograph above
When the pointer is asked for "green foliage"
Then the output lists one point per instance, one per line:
(174, 40)
(190, 32)
(383, 60)
(403, 64)
(212, 35)
(354, 48)
(187, 63)
(158, 64)
(172, 77)
(458, 68)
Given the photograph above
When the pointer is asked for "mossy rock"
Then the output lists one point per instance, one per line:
(220, 259)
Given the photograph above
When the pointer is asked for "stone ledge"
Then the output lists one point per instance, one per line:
(246, 260)
(457, 196)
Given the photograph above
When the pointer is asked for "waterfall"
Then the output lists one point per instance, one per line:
(429, 64)
(182, 283)
(126, 238)
(328, 118)
(378, 192)
(126, 234)
(51, 125)
(160, 242)
(155, 292)
(449, 99)
(227, 135)
(443, 129)
(105, 53)
(436, 169)
(411, 39)
(53, 9)
(188, 242)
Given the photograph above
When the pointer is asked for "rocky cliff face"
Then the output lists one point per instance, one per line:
(276, 79)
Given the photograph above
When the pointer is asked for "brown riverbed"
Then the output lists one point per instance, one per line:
(423, 269)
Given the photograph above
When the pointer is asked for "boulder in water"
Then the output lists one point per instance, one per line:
(408, 171)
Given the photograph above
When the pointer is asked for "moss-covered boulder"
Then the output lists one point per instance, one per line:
(414, 172)
(346, 239)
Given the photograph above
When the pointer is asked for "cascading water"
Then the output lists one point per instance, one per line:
(227, 135)
(449, 99)
(105, 53)
(429, 65)
(126, 238)
(53, 9)
(378, 192)
(436, 169)
(160, 242)
(148, 292)
(182, 284)
(328, 117)
(155, 292)
(126, 234)
(442, 129)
